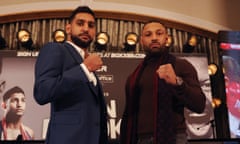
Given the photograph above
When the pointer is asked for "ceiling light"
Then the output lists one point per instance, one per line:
(59, 36)
(216, 102)
(212, 69)
(24, 39)
(190, 44)
(131, 40)
(169, 41)
(101, 42)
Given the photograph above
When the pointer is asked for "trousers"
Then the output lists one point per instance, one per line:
(181, 138)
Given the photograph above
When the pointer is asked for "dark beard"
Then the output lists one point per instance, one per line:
(161, 51)
(80, 43)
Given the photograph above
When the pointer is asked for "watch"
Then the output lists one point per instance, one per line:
(179, 81)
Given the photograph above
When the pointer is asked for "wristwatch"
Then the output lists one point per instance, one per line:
(179, 81)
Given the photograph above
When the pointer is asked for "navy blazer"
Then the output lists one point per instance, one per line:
(78, 110)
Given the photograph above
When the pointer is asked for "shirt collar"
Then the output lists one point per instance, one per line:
(79, 50)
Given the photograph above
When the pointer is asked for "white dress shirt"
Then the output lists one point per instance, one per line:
(90, 75)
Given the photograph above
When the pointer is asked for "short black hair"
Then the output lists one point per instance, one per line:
(81, 9)
(11, 91)
(154, 21)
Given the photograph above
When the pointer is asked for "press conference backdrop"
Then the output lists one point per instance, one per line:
(17, 69)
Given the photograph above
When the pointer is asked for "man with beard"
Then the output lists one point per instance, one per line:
(157, 92)
(65, 78)
(11, 125)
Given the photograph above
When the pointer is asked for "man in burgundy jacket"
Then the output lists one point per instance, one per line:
(157, 92)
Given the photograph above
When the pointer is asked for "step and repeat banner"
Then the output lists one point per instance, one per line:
(17, 69)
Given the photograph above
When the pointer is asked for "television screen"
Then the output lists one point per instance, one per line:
(229, 44)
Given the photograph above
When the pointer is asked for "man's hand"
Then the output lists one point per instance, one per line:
(93, 62)
(167, 73)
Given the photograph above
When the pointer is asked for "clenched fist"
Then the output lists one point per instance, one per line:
(167, 73)
(93, 62)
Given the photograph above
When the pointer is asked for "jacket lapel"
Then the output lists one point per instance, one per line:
(73, 52)
(79, 60)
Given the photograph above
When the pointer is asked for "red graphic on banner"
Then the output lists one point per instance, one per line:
(233, 98)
